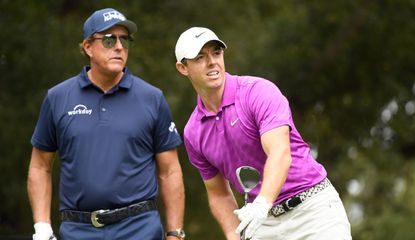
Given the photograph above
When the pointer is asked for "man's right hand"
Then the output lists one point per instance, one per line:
(252, 216)
(43, 231)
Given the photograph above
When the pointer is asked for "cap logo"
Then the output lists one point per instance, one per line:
(113, 15)
(198, 35)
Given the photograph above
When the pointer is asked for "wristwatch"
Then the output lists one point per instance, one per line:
(179, 233)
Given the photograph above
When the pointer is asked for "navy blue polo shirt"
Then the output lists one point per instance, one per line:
(106, 141)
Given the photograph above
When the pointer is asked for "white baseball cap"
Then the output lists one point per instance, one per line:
(192, 40)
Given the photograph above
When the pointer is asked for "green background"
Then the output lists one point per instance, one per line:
(347, 68)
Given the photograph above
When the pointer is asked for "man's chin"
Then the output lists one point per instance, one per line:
(116, 68)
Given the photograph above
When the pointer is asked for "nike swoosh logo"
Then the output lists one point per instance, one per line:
(198, 35)
(234, 122)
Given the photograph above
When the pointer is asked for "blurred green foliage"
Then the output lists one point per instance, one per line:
(347, 68)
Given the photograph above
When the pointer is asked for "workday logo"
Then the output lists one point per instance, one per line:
(80, 110)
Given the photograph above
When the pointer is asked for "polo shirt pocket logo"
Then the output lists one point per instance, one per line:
(234, 122)
(80, 110)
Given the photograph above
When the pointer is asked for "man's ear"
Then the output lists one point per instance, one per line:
(181, 68)
(87, 47)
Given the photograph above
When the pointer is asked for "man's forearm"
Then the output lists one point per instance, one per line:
(40, 194)
(222, 208)
(39, 184)
(172, 194)
(276, 145)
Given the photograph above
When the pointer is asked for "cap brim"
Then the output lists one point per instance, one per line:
(131, 26)
(193, 53)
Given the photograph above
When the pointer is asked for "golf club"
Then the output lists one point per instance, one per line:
(248, 177)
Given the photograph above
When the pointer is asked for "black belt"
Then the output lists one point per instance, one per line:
(296, 200)
(101, 218)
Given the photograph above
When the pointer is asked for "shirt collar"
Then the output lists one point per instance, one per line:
(228, 97)
(125, 82)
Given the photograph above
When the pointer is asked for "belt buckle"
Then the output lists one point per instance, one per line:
(287, 204)
(294, 200)
(94, 219)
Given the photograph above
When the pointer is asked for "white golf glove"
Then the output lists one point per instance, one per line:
(252, 216)
(43, 231)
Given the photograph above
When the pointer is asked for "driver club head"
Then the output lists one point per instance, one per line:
(248, 177)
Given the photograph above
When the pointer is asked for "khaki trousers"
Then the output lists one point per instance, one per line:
(320, 217)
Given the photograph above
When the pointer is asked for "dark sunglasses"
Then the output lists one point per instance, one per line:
(109, 40)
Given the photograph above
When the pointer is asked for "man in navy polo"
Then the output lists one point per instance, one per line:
(116, 142)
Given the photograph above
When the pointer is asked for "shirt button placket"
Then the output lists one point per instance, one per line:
(103, 109)
(219, 124)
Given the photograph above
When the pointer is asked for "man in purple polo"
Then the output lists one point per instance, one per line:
(244, 121)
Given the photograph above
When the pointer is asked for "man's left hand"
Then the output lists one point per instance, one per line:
(252, 216)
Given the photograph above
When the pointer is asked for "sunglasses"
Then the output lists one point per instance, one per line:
(109, 40)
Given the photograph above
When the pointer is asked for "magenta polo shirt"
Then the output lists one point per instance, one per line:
(224, 141)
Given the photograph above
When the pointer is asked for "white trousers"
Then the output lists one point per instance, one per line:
(321, 217)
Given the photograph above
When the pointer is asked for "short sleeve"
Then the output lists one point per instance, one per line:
(166, 135)
(44, 136)
(270, 108)
(206, 170)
